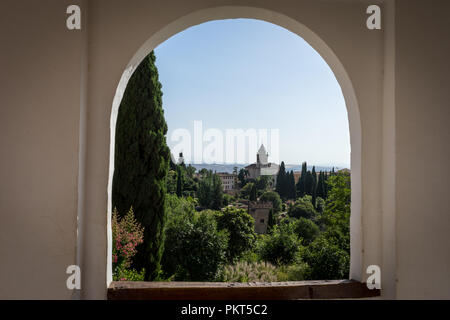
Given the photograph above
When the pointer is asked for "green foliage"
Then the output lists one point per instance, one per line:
(302, 208)
(242, 176)
(271, 196)
(179, 182)
(123, 274)
(293, 272)
(285, 185)
(280, 186)
(240, 228)
(247, 189)
(217, 193)
(262, 183)
(179, 205)
(251, 255)
(301, 183)
(249, 272)
(253, 194)
(227, 199)
(338, 237)
(337, 208)
(314, 186)
(142, 161)
(281, 246)
(194, 249)
(320, 205)
(326, 260)
(306, 229)
(321, 186)
(308, 184)
(210, 191)
(291, 189)
(171, 181)
(190, 170)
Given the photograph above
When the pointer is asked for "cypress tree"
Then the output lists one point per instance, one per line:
(142, 161)
(216, 192)
(314, 186)
(308, 183)
(253, 193)
(301, 184)
(204, 191)
(179, 182)
(321, 186)
(291, 183)
(281, 181)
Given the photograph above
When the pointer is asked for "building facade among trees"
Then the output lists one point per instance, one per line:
(228, 181)
(260, 211)
(263, 167)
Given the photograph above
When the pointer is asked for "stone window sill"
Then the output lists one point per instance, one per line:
(323, 289)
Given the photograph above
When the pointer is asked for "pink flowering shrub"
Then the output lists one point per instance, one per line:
(127, 234)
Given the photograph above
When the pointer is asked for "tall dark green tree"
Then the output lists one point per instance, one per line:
(210, 191)
(321, 185)
(301, 183)
(141, 162)
(291, 190)
(179, 181)
(281, 181)
(327, 187)
(309, 182)
(314, 186)
(242, 176)
(253, 193)
(217, 193)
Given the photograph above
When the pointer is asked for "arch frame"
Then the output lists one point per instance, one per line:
(316, 42)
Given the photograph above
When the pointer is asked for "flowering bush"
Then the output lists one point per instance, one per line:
(127, 234)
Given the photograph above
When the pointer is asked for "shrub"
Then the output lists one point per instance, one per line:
(179, 205)
(127, 234)
(294, 272)
(338, 237)
(306, 229)
(302, 208)
(250, 256)
(249, 272)
(337, 208)
(326, 260)
(227, 199)
(320, 205)
(240, 228)
(210, 191)
(124, 274)
(194, 248)
(281, 246)
(262, 182)
(246, 190)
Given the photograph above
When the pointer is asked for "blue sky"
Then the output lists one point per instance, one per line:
(244, 73)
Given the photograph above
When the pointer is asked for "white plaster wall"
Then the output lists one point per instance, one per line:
(54, 167)
(423, 149)
(40, 62)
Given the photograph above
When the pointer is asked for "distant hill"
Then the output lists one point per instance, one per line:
(229, 167)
